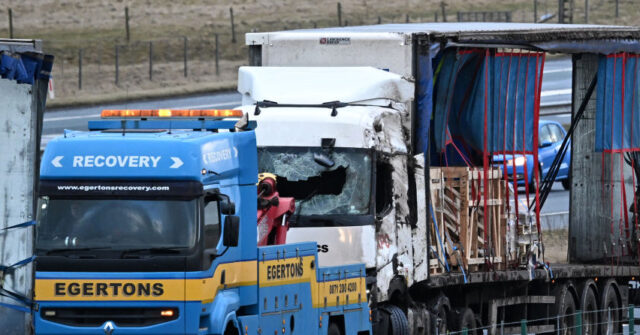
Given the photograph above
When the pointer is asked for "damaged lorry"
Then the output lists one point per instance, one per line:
(393, 140)
(24, 76)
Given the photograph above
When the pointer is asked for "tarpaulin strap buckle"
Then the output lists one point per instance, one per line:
(9, 268)
(16, 307)
(21, 225)
(12, 295)
(28, 303)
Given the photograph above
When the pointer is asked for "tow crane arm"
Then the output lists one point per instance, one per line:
(273, 212)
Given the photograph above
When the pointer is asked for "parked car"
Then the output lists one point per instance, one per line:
(550, 136)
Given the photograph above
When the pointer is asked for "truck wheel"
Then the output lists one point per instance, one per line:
(399, 323)
(566, 183)
(464, 318)
(610, 315)
(589, 306)
(334, 329)
(565, 308)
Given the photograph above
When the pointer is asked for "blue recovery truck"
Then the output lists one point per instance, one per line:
(147, 225)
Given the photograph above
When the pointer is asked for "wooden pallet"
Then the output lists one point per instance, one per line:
(457, 194)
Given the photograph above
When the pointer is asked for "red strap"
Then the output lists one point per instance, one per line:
(524, 117)
(536, 116)
(513, 141)
(485, 154)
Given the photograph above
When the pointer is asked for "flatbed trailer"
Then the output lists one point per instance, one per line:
(408, 270)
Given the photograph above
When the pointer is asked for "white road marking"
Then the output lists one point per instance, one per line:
(566, 69)
(235, 103)
(63, 118)
(556, 92)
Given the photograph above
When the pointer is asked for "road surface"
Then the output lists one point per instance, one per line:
(556, 88)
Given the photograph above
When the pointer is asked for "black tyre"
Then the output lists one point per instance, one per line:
(399, 325)
(464, 319)
(565, 308)
(610, 314)
(589, 307)
(566, 183)
(334, 329)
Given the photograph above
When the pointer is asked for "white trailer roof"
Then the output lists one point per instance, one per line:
(462, 27)
(463, 31)
(315, 85)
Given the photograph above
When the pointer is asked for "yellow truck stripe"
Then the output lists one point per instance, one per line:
(271, 273)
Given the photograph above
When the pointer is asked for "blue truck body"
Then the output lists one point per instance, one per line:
(245, 289)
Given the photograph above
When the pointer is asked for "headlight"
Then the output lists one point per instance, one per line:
(519, 161)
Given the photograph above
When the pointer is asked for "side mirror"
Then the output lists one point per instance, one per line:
(545, 144)
(227, 207)
(231, 231)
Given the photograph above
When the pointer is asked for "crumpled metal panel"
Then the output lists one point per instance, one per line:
(17, 168)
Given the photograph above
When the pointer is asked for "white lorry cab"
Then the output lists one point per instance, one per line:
(333, 136)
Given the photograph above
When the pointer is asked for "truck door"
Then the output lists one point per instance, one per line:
(286, 275)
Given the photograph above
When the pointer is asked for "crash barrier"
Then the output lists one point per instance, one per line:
(614, 321)
(554, 221)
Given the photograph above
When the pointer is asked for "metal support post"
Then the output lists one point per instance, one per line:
(10, 23)
(126, 20)
(150, 60)
(233, 27)
(79, 69)
(586, 11)
(217, 57)
(523, 327)
(184, 53)
(117, 56)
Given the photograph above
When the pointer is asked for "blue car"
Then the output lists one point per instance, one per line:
(550, 136)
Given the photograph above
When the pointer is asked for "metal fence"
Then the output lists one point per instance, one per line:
(106, 65)
(111, 63)
(494, 16)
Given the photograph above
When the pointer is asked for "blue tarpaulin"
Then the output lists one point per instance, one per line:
(617, 103)
(25, 68)
(480, 91)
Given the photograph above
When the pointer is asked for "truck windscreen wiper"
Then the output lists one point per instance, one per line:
(333, 105)
(68, 250)
(155, 250)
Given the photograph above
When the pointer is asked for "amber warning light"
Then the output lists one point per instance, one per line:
(162, 113)
(166, 313)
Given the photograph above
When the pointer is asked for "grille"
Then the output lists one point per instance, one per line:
(122, 317)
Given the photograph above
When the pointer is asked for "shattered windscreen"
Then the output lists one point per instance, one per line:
(343, 188)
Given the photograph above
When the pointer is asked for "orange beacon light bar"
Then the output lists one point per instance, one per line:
(169, 113)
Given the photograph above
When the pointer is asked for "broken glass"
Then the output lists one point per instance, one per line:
(344, 188)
